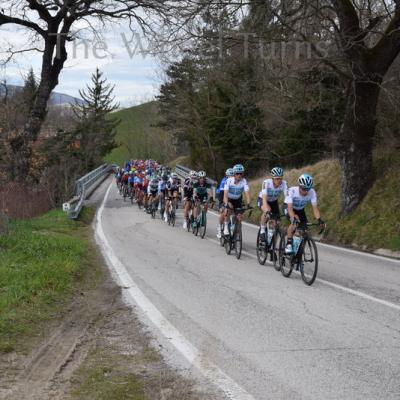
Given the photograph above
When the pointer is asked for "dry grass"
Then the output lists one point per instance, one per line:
(376, 221)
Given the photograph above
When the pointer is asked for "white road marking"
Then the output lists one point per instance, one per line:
(190, 352)
(334, 285)
(359, 253)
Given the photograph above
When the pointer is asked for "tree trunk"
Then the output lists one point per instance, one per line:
(356, 142)
(21, 145)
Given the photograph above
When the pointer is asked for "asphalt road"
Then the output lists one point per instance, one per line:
(275, 337)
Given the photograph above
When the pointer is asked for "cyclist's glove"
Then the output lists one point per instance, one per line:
(293, 221)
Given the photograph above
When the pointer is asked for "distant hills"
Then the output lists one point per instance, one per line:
(55, 98)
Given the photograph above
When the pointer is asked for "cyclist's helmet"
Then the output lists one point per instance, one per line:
(130, 172)
(201, 174)
(277, 172)
(193, 174)
(306, 181)
(238, 169)
(165, 178)
(174, 175)
(229, 172)
(126, 173)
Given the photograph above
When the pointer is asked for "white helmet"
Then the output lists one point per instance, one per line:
(193, 174)
(174, 175)
(201, 174)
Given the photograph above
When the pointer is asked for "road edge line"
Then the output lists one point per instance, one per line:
(208, 369)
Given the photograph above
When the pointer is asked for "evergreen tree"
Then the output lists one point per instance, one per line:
(96, 128)
(29, 92)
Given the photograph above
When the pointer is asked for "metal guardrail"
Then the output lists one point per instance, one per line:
(82, 188)
(184, 172)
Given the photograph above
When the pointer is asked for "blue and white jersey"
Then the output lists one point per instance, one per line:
(161, 186)
(153, 186)
(271, 191)
(299, 202)
(138, 180)
(236, 189)
(221, 185)
(131, 180)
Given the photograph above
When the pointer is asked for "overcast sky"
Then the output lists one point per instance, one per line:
(135, 75)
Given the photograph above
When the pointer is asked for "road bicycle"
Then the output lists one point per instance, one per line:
(171, 212)
(162, 205)
(201, 220)
(189, 218)
(234, 239)
(270, 246)
(125, 191)
(305, 254)
(131, 194)
(153, 208)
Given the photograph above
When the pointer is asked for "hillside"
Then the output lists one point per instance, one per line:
(375, 223)
(138, 137)
(56, 98)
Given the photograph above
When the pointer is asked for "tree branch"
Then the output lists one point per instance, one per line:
(5, 19)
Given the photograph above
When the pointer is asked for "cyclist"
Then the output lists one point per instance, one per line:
(152, 191)
(131, 183)
(146, 181)
(220, 191)
(173, 186)
(297, 198)
(271, 190)
(188, 196)
(162, 191)
(200, 195)
(233, 191)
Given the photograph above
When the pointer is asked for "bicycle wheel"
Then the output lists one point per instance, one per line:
(196, 230)
(153, 211)
(261, 247)
(222, 238)
(188, 223)
(238, 241)
(285, 262)
(173, 217)
(274, 249)
(308, 261)
(228, 242)
(203, 224)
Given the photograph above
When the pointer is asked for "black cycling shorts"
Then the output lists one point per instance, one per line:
(236, 203)
(201, 198)
(274, 205)
(300, 213)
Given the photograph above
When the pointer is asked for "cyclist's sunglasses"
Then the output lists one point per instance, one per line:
(239, 173)
(304, 189)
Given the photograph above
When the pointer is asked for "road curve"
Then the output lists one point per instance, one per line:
(275, 337)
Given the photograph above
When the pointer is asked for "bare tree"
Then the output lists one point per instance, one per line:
(50, 25)
(359, 40)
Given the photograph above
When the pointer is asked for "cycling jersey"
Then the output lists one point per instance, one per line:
(153, 187)
(236, 189)
(131, 180)
(188, 187)
(173, 185)
(201, 190)
(162, 186)
(271, 191)
(299, 202)
(221, 185)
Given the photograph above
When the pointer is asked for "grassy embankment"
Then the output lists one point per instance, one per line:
(376, 221)
(42, 262)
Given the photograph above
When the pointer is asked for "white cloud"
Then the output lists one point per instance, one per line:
(133, 74)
